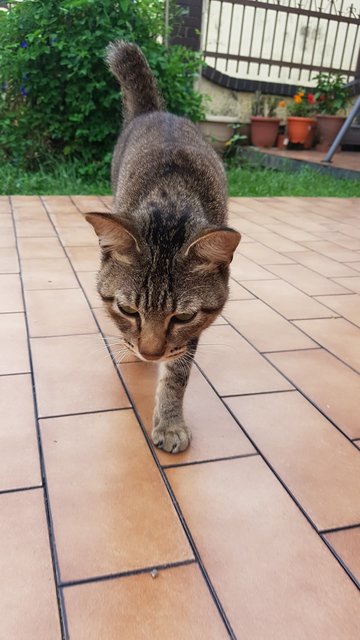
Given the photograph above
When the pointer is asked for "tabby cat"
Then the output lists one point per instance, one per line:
(165, 247)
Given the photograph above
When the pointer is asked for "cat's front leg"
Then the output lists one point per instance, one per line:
(170, 431)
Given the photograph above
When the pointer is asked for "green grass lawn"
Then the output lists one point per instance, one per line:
(65, 179)
(252, 182)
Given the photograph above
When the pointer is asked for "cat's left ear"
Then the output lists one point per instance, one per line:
(114, 235)
(213, 248)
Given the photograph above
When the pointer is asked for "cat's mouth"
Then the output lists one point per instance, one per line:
(169, 355)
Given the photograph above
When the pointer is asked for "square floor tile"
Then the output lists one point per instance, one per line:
(346, 544)
(321, 264)
(237, 292)
(58, 312)
(110, 609)
(28, 605)
(88, 283)
(332, 250)
(74, 374)
(77, 237)
(233, 366)
(318, 464)
(287, 300)
(87, 204)
(290, 232)
(273, 574)
(327, 382)
(306, 280)
(7, 238)
(35, 228)
(347, 306)
(263, 255)
(353, 284)
(19, 455)
(14, 354)
(264, 328)
(275, 242)
(10, 293)
(8, 260)
(110, 508)
(215, 434)
(243, 269)
(338, 336)
(40, 248)
(55, 273)
(84, 258)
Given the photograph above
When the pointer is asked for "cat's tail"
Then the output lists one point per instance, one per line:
(130, 67)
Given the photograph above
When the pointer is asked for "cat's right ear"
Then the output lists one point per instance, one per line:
(114, 236)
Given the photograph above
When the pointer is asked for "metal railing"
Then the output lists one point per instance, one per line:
(283, 42)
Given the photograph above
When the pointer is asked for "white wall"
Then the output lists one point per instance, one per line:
(231, 20)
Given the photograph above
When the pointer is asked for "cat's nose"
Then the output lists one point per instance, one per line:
(151, 356)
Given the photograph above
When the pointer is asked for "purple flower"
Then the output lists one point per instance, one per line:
(24, 44)
(24, 91)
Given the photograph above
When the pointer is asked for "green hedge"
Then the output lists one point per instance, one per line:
(58, 99)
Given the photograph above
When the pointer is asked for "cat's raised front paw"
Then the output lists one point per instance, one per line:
(172, 438)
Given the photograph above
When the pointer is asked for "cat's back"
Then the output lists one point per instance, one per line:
(162, 146)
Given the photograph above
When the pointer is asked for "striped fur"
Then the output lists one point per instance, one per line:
(166, 248)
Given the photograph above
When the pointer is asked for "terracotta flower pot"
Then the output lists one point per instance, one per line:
(328, 127)
(301, 131)
(264, 131)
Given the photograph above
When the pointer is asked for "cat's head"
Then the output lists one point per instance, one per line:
(162, 290)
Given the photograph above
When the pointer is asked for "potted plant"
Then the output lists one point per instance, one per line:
(332, 96)
(217, 130)
(264, 126)
(301, 122)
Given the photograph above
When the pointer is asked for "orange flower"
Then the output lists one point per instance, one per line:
(298, 98)
(282, 103)
(301, 94)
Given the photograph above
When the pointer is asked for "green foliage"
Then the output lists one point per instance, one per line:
(331, 93)
(303, 104)
(251, 181)
(57, 97)
(233, 146)
(244, 179)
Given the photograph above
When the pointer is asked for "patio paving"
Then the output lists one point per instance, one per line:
(254, 531)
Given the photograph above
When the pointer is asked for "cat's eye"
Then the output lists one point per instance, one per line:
(128, 311)
(184, 317)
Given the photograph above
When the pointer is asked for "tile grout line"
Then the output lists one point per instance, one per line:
(16, 373)
(336, 529)
(193, 547)
(50, 530)
(340, 560)
(85, 413)
(275, 473)
(207, 461)
(21, 489)
(127, 574)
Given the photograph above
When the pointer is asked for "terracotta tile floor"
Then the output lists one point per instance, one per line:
(254, 532)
